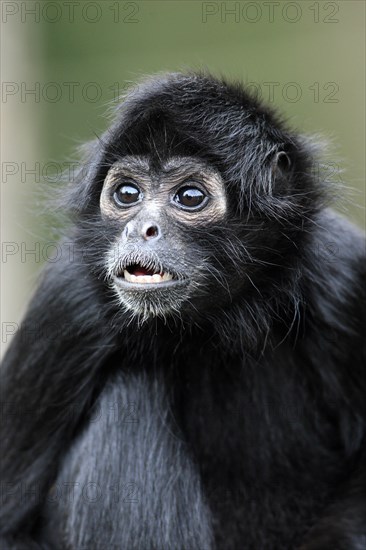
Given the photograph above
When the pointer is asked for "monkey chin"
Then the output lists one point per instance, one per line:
(151, 300)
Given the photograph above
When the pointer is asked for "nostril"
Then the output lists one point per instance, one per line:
(151, 231)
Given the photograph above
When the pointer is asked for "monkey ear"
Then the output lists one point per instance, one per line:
(280, 165)
(276, 172)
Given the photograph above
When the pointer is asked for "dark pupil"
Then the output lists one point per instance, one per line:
(127, 194)
(190, 196)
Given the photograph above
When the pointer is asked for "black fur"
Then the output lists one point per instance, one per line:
(238, 422)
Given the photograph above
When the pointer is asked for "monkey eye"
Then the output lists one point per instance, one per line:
(127, 194)
(190, 197)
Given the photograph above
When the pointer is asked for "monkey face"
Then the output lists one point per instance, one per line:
(156, 263)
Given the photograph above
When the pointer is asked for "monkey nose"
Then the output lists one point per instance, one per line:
(128, 230)
(150, 231)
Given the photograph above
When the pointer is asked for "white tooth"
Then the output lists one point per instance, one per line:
(167, 277)
(144, 279)
(133, 278)
(127, 275)
(157, 278)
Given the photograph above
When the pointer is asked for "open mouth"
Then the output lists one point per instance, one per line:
(136, 273)
(140, 274)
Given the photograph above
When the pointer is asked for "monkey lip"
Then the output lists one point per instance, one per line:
(136, 276)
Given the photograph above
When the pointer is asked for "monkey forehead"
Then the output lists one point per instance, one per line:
(180, 163)
(174, 164)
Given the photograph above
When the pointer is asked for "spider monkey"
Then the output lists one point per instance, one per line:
(193, 376)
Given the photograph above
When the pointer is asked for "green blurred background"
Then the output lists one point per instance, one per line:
(306, 57)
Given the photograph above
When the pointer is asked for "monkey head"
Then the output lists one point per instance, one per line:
(200, 196)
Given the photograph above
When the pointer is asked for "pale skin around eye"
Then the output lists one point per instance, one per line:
(166, 190)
